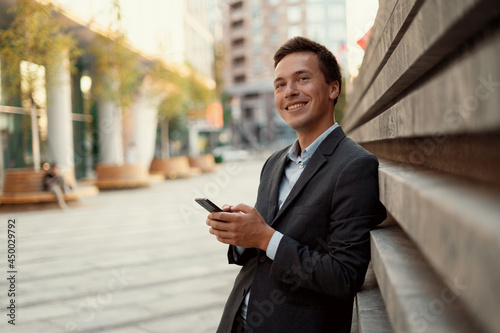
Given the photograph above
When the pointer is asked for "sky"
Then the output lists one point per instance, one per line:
(148, 24)
(360, 17)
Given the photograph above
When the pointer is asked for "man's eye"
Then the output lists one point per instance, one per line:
(279, 85)
(302, 78)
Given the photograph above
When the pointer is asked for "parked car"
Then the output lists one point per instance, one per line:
(230, 153)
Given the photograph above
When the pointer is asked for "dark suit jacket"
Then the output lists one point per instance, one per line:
(322, 259)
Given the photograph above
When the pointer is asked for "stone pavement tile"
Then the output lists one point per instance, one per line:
(172, 269)
(43, 312)
(186, 303)
(125, 297)
(39, 326)
(211, 283)
(37, 294)
(90, 319)
(204, 321)
(128, 329)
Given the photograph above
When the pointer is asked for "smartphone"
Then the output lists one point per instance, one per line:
(208, 205)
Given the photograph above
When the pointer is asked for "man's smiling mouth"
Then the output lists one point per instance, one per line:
(295, 106)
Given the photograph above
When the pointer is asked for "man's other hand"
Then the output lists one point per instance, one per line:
(240, 225)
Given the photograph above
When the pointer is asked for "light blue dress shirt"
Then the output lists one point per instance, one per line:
(296, 163)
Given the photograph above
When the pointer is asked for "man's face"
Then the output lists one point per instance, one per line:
(302, 96)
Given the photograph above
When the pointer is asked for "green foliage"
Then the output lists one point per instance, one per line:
(170, 84)
(219, 61)
(119, 75)
(227, 112)
(34, 36)
(199, 94)
(118, 68)
(183, 93)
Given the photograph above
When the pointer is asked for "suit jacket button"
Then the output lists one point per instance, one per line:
(262, 259)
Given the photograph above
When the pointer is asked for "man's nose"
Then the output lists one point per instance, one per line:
(291, 90)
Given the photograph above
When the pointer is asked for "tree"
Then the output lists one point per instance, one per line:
(113, 57)
(185, 94)
(116, 81)
(34, 36)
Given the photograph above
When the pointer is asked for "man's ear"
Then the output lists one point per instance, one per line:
(334, 90)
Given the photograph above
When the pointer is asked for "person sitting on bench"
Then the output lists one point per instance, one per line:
(56, 183)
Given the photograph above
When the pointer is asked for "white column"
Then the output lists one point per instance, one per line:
(109, 127)
(194, 149)
(59, 121)
(145, 119)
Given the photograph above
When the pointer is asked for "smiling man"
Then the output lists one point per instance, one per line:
(305, 245)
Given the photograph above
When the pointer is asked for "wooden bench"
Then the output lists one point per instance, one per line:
(121, 176)
(174, 167)
(23, 185)
(205, 162)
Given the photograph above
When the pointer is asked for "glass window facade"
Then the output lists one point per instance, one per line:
(294, 14)
(336, 11)
(317, 32)
(337, 31)
(315, 13)
(273, 17)
(294, 31)
(16, 135)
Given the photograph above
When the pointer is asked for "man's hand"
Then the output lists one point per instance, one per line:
(240, 225)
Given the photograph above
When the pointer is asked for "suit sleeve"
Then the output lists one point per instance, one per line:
(338, 265)
(233, 256)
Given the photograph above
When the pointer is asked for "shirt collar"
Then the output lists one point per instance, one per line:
(293, 153)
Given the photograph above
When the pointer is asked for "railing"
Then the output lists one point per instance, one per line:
(20, 110)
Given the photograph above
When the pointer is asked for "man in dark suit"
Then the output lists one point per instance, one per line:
(305, 246)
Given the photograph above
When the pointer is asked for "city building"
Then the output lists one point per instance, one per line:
(253, 30)
(76, 129)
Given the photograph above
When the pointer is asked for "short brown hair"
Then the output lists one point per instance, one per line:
(327, 62)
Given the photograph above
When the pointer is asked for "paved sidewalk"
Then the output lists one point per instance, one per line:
(125, 261)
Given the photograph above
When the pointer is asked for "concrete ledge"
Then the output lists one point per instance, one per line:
(455, 224)
(438, 28)
(371, 313)
(469, 105)
(415, 297)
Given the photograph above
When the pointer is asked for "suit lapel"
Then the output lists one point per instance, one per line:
(275, 187)
(318, 160)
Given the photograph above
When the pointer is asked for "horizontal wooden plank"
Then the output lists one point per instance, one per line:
(416, 299)
(438, 28)
(370, 308)
(463, 99)
(393, 18)
(455, 224)
(473, 157)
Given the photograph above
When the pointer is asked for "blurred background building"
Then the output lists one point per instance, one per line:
(80, 130)
(224, 46)
(253, 31)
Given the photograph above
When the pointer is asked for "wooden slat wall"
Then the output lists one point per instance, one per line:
(427, 103)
